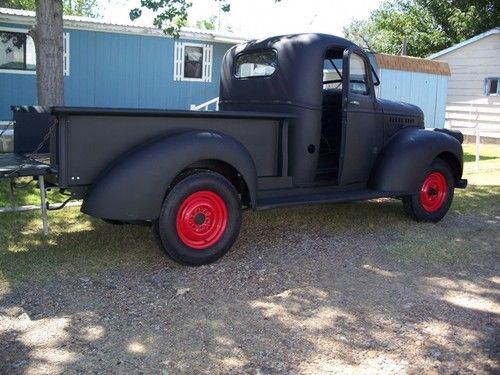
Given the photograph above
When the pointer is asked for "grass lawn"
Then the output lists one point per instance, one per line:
(79, 245)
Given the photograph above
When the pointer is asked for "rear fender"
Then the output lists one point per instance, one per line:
(134, 187)
(402, 163)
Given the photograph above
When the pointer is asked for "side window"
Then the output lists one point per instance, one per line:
(17, 52)
(492, 86)
(332, 73)
(193, 62)
(357, 75)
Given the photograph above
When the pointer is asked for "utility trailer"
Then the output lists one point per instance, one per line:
(299, 124)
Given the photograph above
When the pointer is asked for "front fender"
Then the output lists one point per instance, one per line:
(402, 163)
(134, 187)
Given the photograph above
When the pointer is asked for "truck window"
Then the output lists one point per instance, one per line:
(332, 73)
(357, 75)
(259, 64)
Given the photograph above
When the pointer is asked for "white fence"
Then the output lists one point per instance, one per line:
(478, 120)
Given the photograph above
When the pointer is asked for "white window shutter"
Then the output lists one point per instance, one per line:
(178, 61)
(207, 62)
(66, 50)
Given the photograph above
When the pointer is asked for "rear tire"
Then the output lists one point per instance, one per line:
(434, 198)
(200, 219)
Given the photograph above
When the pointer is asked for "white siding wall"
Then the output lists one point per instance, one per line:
(468, 108)
(469, 66)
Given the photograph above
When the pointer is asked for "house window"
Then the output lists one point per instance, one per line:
(492, 86)
(17, 52)
(193, 62)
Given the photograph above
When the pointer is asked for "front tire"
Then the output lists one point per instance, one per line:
(200, 219)
(434, 199)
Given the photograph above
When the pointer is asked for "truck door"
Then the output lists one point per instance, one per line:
(362, 128)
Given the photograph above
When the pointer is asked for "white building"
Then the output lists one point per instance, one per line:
(473, 103)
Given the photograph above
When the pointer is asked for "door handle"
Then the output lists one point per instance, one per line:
(354, 102)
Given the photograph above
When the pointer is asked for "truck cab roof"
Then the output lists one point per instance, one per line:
(291, 69)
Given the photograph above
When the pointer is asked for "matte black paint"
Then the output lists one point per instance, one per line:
(32, 123)
(118, 195)
(123, 161)
(406, 156)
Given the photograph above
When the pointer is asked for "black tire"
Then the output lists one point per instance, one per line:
(200, 219)
(434, 199)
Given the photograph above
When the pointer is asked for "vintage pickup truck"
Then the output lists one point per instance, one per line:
(299, 124)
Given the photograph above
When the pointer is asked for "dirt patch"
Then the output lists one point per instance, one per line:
(294, 296)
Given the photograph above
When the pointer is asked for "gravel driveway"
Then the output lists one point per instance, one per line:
(292, 297)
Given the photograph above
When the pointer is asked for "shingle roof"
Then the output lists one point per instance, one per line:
(412, 64)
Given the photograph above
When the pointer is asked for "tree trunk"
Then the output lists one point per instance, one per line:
(48, 37)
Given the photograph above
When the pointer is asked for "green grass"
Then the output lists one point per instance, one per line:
(29, 195)
(78, 245)
(489, 162)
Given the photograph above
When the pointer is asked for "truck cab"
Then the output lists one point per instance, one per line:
(328, 83)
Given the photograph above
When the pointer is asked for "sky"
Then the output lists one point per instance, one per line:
(260, 18)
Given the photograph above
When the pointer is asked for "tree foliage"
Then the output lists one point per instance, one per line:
(85, 8)
(172, 15)
(207, 24)
(428, 25)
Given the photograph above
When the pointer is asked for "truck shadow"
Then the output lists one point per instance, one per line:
(305, 290)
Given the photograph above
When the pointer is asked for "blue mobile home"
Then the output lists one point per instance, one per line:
(109, 65)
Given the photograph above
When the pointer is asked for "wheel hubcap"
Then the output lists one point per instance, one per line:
(201, 219)
(434, 192)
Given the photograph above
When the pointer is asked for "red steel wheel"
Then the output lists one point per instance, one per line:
(433, 200)
(433, 192)
(201, 219)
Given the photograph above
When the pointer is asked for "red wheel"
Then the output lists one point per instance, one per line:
(433, 192)
(434, 199)
(201, 219)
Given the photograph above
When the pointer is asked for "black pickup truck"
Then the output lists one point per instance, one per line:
(299, 124)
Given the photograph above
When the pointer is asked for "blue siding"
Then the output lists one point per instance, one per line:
(118, 70)
(428, 91)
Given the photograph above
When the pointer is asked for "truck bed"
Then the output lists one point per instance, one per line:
(90, 140)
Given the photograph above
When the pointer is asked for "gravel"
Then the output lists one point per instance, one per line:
(288, 299)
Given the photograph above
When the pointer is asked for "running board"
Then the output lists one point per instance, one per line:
(320, 198)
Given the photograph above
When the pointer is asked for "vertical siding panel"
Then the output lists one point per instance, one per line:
(441, 91)
(120, 70)
(422, 89)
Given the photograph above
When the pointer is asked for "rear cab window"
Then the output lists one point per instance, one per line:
(256, 64)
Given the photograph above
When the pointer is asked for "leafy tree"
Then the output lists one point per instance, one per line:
(207, 24)
(428, 25)
(86, 8)
(18, 4)
(47, 33)
(170, 16)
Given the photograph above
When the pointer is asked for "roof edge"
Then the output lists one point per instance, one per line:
(495, 30)
(412, 64)
(24, 17)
